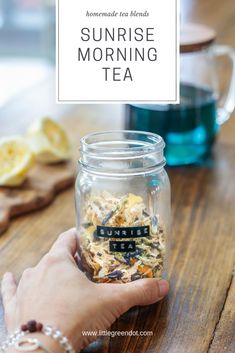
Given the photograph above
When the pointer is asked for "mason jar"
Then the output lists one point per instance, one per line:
(123, 206)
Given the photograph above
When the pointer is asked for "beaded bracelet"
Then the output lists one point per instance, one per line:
(33, 326)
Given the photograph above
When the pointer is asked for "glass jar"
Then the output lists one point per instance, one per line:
(122, 206)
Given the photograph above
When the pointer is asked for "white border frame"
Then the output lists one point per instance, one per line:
(177, 71)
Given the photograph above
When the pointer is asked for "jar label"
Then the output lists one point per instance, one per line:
(122, 232)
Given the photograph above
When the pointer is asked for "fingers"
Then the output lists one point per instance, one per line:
(66, 242)
(8, 288)
(142, 292)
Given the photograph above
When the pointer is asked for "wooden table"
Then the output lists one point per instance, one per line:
(199, 314)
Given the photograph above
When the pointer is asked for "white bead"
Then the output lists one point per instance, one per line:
(64, 340)
(48, 330)
(57, 335)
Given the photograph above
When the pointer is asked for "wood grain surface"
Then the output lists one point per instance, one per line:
(40, 188)
(199, 314)
(223, 339)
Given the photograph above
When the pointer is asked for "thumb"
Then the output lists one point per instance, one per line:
(142, 292)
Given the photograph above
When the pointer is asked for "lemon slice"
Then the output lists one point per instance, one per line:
(16, 158)
(48, 141)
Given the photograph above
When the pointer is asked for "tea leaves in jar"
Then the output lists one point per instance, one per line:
(119, 240)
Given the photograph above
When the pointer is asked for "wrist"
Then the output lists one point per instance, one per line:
(71, 332)
(52, 345)
(71, 329)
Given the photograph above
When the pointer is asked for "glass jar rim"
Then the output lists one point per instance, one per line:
(122, 152)
(107, 143)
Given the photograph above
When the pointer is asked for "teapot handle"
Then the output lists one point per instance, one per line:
(226, 103)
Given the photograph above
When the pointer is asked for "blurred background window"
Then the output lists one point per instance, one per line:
(21, 27)
(27, 44)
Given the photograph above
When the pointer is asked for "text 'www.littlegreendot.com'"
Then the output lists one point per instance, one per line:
(101, 333)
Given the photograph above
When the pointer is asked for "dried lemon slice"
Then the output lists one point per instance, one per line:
(49, 141)
(16, 158)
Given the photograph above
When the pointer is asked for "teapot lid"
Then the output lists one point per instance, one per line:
(195, 37)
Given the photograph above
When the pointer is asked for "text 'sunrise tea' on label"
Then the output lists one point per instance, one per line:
(122, 233)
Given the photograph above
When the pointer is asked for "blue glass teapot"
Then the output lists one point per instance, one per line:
(190, 128)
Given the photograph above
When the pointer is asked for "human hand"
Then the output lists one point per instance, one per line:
(57, 293)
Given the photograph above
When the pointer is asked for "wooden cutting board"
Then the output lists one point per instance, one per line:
(39, 190)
